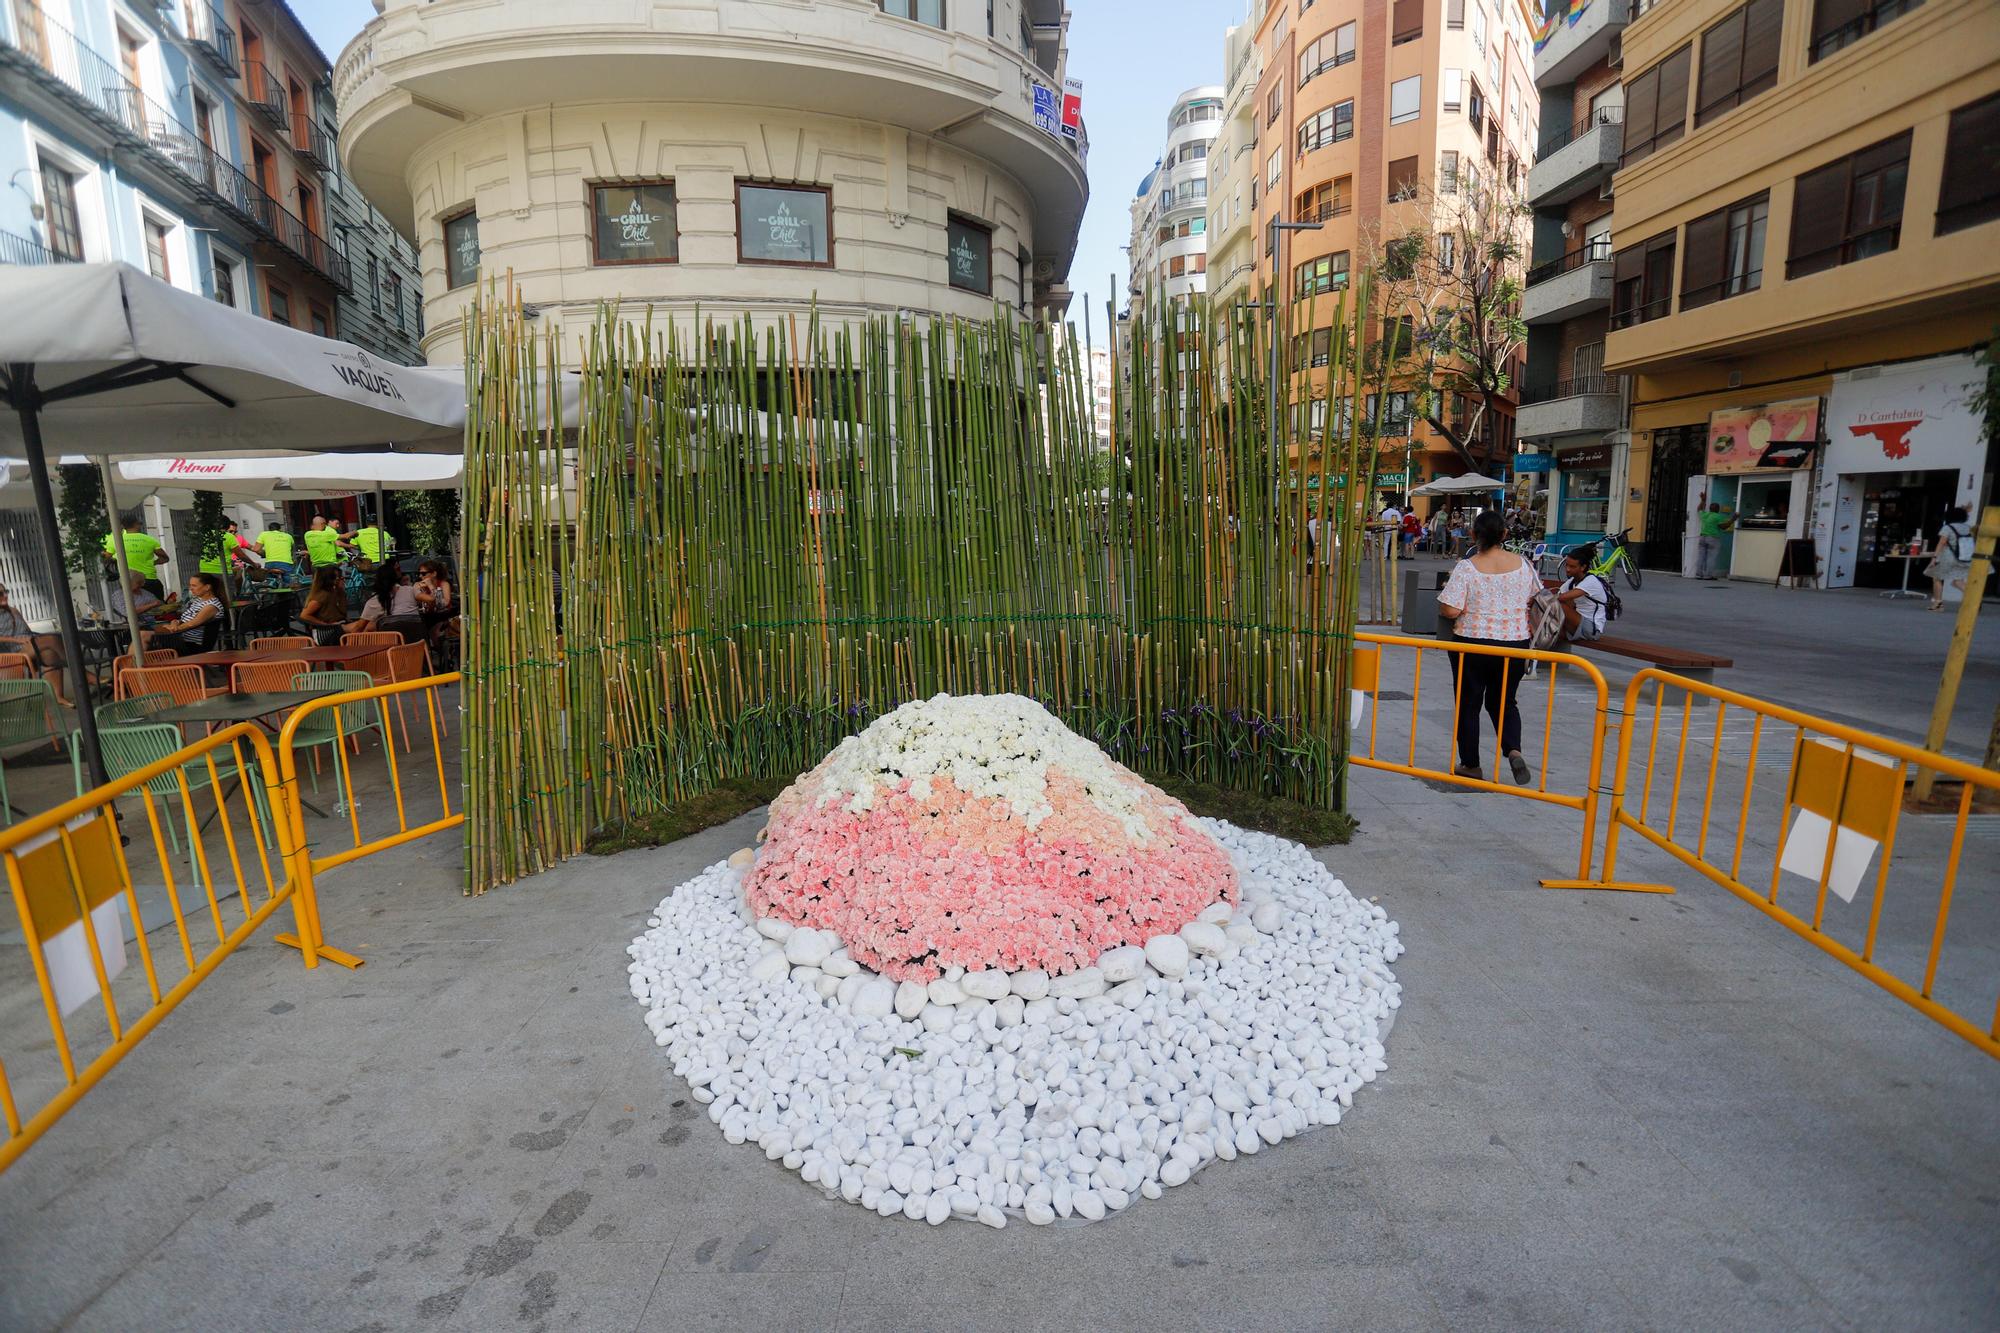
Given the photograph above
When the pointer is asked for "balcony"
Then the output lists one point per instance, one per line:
(1562, 289)
(315, 142)
(265, 94)
(419, 71)
(26, 250)
(1575, 44)
(212, 39)
(1578, 159)
(1587, 405)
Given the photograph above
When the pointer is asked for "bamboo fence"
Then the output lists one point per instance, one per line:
(757, 539)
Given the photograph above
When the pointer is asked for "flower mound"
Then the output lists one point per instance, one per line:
(979, 832)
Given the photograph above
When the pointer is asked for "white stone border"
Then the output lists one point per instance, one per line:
(978, 1096)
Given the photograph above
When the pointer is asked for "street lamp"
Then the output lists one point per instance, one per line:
(1279, 251)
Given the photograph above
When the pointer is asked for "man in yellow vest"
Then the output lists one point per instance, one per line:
(322, 544)
(143, 553)
(373, 543)
(276, 544)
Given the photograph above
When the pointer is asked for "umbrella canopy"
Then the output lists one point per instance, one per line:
(1465, 485)
(127, 364)
(299, 476)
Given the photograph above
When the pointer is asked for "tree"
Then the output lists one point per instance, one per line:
(1448, 276)
(80, 509)
(211, 529)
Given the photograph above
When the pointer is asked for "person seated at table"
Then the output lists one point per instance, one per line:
(436, 598)
(150, 609)
(43, 651)
(325, 613)
(277, 546)
(201, 622)
(392, 608)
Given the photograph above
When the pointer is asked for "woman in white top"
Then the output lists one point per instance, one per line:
(1951, 558)
(1486, 599)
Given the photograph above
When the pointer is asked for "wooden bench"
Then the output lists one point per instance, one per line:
(1682, 661)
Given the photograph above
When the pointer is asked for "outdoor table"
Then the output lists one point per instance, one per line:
(330, 655)
(1908, 558)
(245, 707)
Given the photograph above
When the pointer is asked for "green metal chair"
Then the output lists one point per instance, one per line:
(321, 728)
(118, 713)
(27, 718)
(128, 749)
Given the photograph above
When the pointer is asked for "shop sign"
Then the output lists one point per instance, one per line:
(1072, 108)
(1048, 111)
(1526, 463)
(1740, 438)
(1918, 418)
(1596, 458)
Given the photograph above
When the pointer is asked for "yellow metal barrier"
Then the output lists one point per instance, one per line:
(336, 723)
(1840, 807)
(75, 893)
(1584, 797)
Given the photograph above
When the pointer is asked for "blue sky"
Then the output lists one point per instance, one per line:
(1131, 71)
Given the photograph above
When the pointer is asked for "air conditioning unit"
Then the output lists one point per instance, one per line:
(1604, 190)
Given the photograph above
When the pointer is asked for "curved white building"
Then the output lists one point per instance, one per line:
(872, 156)
(1170, 211)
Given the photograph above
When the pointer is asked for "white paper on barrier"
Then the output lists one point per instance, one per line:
(68, 955)
(1357, 709)
(1805, 854)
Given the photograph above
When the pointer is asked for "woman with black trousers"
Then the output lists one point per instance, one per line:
(1486, 599)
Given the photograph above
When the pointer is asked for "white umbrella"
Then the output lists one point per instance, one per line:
(290, 476)
(1465, 485)
(102, 359)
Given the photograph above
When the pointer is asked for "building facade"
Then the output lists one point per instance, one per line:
(1169, 250)
(1806, 253)
(858, 157)
(1232, 193)
(1572, 411)
(1369, 114)
(383, 308)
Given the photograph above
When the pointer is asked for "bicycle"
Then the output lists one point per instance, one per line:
(1618, 555)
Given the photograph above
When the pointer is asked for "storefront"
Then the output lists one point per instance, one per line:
(1903, 446)
(1580, 496)
(1758, 468)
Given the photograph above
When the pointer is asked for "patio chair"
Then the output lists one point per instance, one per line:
(329, 726)
(410, 661)
(16, 666)
(265, 676)
(130, 748)
(27, 719)
(376, 665)
(184, 683)
(270, 641)
(118, 713)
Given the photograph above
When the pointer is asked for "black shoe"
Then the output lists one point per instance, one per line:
(1520, 767)
(1473, 771)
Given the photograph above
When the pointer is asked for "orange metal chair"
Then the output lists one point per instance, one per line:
(183, 683)
(160, 656)
(410, 661)
(16, 666)
(265, 676)
(281, 641)
(375, 664)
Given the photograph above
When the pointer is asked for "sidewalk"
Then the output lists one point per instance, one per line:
(1600, 1111)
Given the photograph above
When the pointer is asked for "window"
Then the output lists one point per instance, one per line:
(991, 29)
(59, 211)
(1177, 266)
(1475, 105)
(129, 47)
(1656, 107)
(222, 280)
(1274, 105)
(1478, 26)
(156, 249)
(1328, 199)
(1454, 89)
(461, 249)
(1642, 281)
(396, 303)
(1739, 58)
(1402, 179)
(1327, 127)
(1447, 252)
(1326, 51)
(374, 284)
(1198, 227)
(969, 254)
(1317, 276)
(1841, 23)
(309, 208)
(1272, 166)
(1970, 191)
(1197, 263)
(784, 224)
(1725, 253)
(922, 11)
(322, 323)
(1194, 189)
(281, 305)
(1407, 22)
(1448, 172)
(1311, 350)
(1454, 14)
(635, 222)
(1850, 209)
(1406, 99)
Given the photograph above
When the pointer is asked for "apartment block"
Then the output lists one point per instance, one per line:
(1169, 250)
(1805, 255)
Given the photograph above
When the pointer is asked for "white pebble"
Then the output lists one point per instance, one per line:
(1168, 954)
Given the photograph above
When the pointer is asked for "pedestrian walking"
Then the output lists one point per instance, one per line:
(1951, 558)
(1486, 599)
(1715, 520)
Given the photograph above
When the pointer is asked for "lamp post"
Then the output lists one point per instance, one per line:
(1279, 252)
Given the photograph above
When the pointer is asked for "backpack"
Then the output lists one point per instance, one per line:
(1613, 607)
(1545, 619)
(1961, 543)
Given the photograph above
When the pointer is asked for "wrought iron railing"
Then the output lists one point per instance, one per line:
(211, 36)
(27, 250)
(266, 94)
(314, 141)
(1593, 252)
